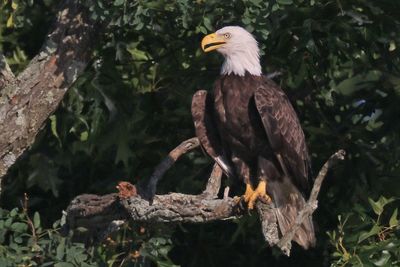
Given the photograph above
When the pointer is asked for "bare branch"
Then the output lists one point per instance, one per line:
(99, 213)
(285, 243)
(176, 207)
(26, 103)
(148, 189)
(269, 224)
(102, 215)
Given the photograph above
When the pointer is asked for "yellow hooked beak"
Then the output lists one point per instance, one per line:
(211, 42)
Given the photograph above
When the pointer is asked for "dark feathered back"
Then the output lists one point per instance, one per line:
(284, 131)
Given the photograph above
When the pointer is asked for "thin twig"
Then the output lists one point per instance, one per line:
(274, 74)
(28, 219)
(285, 243)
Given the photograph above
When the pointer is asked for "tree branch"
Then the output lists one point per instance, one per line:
(102, 215)
(26, 103)
(285, 243)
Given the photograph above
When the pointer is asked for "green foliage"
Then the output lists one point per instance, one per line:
(363, 239)
(340, 64)
(18, 19)
(23, 242)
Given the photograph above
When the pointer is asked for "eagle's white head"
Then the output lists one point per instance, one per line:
(239, 48)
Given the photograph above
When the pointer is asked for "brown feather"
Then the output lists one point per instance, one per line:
(284, 130)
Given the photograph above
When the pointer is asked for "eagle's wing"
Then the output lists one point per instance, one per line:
(284, 131)
(206, 130)
(287, 140)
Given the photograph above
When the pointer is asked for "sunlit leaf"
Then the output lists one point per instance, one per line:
(10, 21)
(393, 219)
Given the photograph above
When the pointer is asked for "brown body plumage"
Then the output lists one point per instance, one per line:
(251, 130)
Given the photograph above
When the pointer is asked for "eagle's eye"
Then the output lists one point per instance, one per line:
(227, 35)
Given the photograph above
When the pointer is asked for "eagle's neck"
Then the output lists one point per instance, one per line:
(241, 62)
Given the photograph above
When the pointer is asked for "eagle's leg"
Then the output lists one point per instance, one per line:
(244, 171)
(265, 169)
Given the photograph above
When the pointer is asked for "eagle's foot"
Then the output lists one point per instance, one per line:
(248, 193)
(260, 192)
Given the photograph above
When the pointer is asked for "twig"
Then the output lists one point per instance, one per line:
(274, 74)
(24, 204)
(285, 243)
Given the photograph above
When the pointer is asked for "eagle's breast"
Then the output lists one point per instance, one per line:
(237, 117)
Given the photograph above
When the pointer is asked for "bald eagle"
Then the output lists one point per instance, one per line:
(251, 130)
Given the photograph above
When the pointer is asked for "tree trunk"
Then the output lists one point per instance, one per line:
(26, 101)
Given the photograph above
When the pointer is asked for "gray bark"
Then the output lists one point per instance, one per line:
(26, 101)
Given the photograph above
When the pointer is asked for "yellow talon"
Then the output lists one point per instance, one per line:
(250, 196)
(260, 192)
(248, 193)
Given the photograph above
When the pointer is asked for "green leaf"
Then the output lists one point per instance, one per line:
(19, 227)
(383, 260)
(84, 136)
(284, 2)
(36, 220)
(380, 204)
(63, 264)
(364, 235)
(10, 21)
(53, 124)
(358, 82)
(119, 2)
(207, 23)
(376, 206)
(14, 212)
(60, 252)
(393, 219)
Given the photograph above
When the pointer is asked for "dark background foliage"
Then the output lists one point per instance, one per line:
(340, 67)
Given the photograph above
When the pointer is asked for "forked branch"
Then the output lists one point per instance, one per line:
(102, 215)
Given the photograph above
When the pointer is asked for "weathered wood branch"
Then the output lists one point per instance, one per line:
(27, 100)
(285, 243)
(102, 215)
